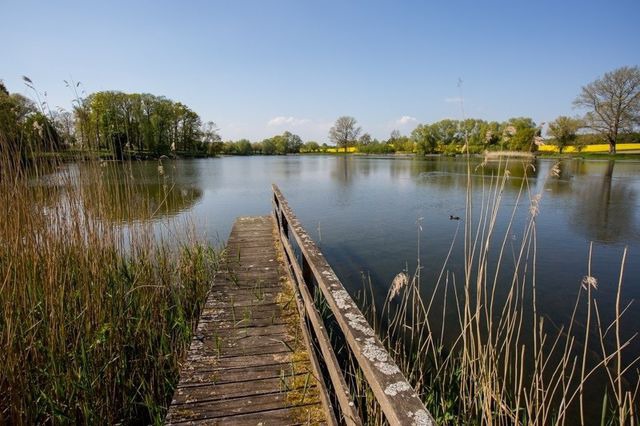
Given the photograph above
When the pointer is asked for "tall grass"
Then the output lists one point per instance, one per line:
(94, 315)
(497, 359)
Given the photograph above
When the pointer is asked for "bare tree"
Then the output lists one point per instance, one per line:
(209, 132)
(612, 103)
(344, 132)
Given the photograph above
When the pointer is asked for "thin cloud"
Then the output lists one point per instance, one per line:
(454, 100)
(287, 121)
(406, 119)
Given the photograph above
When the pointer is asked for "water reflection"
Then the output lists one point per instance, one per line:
(367, 208)
(604, 205)
(145, 191)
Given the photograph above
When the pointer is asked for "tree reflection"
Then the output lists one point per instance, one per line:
(341, 171)
(142, 193)
(605, 207)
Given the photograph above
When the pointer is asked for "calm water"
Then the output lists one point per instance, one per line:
(363, 212)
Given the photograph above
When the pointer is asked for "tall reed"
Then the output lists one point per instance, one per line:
(94, 314)
(506, 363)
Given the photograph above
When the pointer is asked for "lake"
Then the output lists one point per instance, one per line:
(364, 214)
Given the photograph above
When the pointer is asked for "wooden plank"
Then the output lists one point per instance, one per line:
(347, 406)
(248, 374)
(245, 361)
(397, 399)
(279, 417)
(231, 406)
(221, 391)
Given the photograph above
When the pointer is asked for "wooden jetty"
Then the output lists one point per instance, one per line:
(262, 353)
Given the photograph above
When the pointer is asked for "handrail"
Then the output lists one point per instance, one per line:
(396, 397)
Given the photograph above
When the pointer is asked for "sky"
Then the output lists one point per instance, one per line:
(258, 68)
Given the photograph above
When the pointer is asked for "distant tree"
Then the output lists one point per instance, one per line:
(365, 139)
(65, 126)
(24, 129)
(425, 138)
(229, 148)
(268, 147)
(612, 103)
(520, 133)
(447, 132)
(294, 142)
(492, 132)
(243, 147)
(281, 144)
(111, 119)
(209, 132)
(256, 147)
(40, 133)
(344, 132)
(395, 135)
(564, 130)
(311, 146)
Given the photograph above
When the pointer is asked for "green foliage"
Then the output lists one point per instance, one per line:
(310, 146)
(519, 134)
(425, 139)
(376, 147)
(564, 130)
(243, 147)
(401, 143)
(142, 122)
(474, 136)
(286, 143)
(25, 130)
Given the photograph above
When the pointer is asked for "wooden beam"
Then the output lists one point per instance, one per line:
(397, 398)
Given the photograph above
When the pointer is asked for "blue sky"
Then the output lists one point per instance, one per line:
(258, 68)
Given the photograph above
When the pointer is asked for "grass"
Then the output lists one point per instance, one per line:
(95, 315)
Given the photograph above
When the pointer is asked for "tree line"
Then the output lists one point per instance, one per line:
(24, 128)
(142, 124)
(612, 112)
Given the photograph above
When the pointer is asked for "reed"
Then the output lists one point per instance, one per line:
(506, 363)
(95, 313)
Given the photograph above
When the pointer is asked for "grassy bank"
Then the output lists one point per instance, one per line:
(94, 315)
(593, 156)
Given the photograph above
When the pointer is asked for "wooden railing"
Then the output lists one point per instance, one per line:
(396, 397)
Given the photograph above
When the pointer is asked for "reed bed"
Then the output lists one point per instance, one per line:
(506, 362)
(95, 314)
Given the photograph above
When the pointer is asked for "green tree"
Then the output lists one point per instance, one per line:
(294, 142)
(344, 132)
(520, 133)
(117, 120)
(310, 146)
(564, 130)
(268, 146)
(425, 139)
(281, 144)
(24, 129)
(447, 132)
(612, 104)
(243, 147)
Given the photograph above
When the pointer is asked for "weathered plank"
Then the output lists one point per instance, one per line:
(396, 397)
(247, 362)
